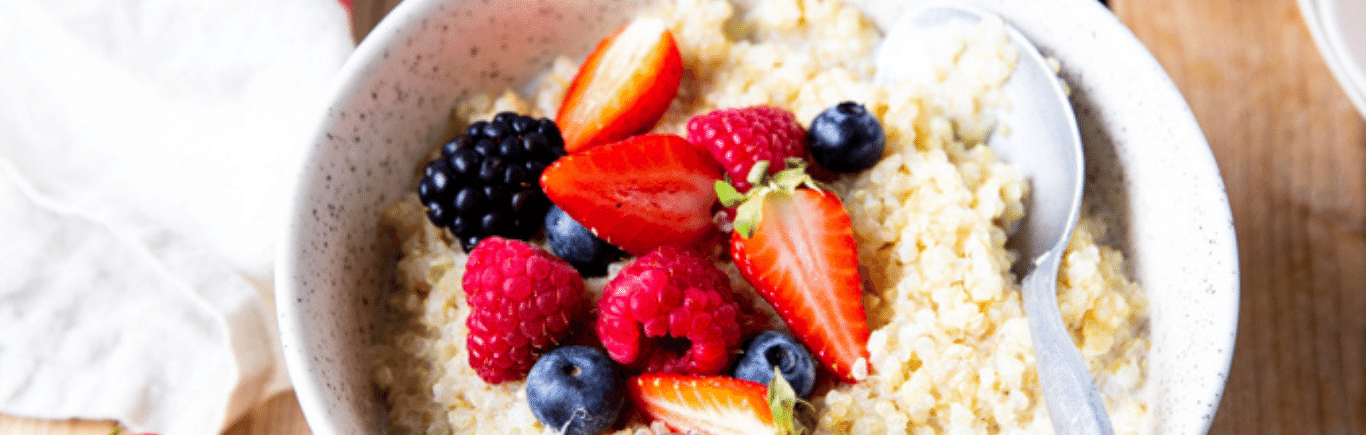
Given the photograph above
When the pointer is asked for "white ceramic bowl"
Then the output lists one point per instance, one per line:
(1337, 30)
(1146, 156)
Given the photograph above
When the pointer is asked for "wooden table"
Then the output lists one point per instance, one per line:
(1293, 154)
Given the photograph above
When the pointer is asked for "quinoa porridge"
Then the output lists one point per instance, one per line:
(950, 348)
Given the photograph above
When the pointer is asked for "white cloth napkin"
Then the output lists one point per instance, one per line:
(148, 155)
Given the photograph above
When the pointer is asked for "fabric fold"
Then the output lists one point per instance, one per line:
(148, 153)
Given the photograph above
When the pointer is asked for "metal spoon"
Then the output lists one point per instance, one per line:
(1044, 144)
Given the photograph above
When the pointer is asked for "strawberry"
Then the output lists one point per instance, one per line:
(793, 242)
(623, 87)
(639, 193)
(714, 405)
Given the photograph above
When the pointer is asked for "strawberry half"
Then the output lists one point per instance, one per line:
(794, 243)
(623, 87)
(639, 193)
(714, 405)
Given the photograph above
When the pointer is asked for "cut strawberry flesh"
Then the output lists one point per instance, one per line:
(715, 405)
(639, 193)
(623, 87)
(804, 262)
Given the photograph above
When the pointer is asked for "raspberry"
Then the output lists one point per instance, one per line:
(738, 138)
(670, 311)
(523, 301)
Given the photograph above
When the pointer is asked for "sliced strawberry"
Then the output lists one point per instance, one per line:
(639, 193)
(794, 243)
(623, 87)
(713, 405)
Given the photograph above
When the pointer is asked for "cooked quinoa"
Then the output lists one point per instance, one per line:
(950, 348)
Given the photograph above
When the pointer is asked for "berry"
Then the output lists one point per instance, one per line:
(670, 311)
(484, 183)
(640, 193)
(577, 245)
(576, 390)
(523, 302)
(714, 405)
(846, 138)
(739, 138)
(623, 87)
(772, 349)
(794, 243)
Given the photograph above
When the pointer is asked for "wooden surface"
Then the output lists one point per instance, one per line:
(1293, 154)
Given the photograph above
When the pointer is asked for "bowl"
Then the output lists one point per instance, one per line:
(1334, 25)
(1147, 160)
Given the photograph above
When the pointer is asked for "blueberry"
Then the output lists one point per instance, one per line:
(577, 245)
(846, 138)
(576, 390)
(773, 348)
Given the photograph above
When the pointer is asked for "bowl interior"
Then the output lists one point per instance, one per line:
(1147, 160)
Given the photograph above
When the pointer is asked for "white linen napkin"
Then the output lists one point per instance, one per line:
(148, 154)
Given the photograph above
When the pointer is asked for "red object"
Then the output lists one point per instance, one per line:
(523, 302)
(623, 87)
(739, 138)
(669, 298)
(346, 4)
(802, 259)
(715, 405)
(638, 194)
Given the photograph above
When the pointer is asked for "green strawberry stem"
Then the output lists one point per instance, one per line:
(782, 401)
(727, 194)
(751, 204)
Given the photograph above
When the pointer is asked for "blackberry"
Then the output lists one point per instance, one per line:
(486, 181)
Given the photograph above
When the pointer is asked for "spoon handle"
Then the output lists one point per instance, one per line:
(1074, 404)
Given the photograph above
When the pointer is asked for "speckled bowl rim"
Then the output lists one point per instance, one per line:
(1130, 112)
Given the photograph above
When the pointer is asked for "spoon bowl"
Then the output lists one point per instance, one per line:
(1042, 141)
